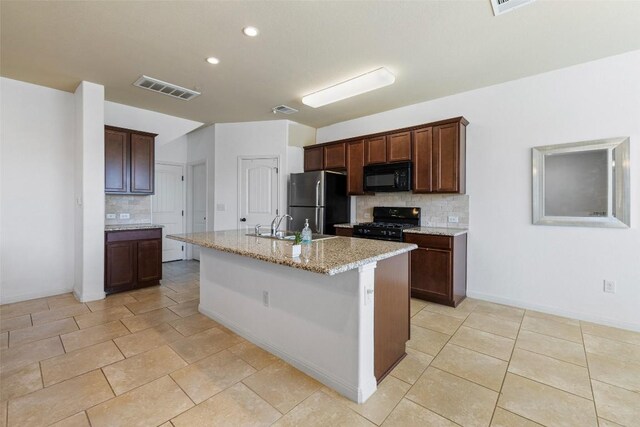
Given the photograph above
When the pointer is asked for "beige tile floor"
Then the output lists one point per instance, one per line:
(148, 358)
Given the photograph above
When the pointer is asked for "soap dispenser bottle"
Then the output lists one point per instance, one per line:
(306, 232)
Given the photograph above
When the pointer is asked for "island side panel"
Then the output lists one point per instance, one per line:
(320, 324)
(392, 300)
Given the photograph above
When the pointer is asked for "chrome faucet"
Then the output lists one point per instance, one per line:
(275, 227)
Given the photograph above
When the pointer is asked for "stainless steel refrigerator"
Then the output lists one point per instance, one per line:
(321, 197)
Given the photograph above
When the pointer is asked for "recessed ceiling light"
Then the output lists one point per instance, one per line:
(367, 82)
(250, 31)
(213, 60)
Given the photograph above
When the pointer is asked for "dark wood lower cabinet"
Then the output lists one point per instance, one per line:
(344, 232)
(132, 259)
(439, 268)
(391, 313)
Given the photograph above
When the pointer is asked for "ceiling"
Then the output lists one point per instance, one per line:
(435, 48)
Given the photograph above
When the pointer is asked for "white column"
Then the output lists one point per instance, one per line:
(89, 192)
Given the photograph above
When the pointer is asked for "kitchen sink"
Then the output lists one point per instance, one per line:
(289, 235)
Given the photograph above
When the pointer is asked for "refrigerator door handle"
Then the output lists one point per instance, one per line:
(318, 193)
(318, 221)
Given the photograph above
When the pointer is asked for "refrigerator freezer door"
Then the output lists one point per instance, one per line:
(307, 189)
(299, 214)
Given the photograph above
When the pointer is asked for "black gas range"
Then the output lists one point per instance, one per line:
(388, 223)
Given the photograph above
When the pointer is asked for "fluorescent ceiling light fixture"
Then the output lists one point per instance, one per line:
(367, 82)
(213, 60)
(250, 31)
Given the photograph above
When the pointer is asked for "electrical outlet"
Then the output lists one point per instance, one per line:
(367, 215)
(453, 219)
(221, 207)
(124, 216)
(111, 216)
(610, 286)
(265, 298)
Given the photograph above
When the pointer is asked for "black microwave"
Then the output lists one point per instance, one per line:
(387, 178)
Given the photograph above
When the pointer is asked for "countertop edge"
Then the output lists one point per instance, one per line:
(284, 261)
(127, 227)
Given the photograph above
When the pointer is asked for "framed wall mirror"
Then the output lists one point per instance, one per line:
(582, 184)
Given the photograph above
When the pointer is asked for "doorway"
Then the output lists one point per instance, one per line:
(258, 190)
(167, 207)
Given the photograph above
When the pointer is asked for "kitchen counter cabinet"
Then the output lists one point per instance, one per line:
(439, 267)
(133, 259)
(347, 327)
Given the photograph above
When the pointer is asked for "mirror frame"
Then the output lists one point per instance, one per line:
(618, 152)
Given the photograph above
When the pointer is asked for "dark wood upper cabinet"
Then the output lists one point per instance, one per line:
(313, 159)
(355, 165)
(422, 160)
(399, 147)
(439, 158)
(116, 154)
(142, 163)
(375, 150)
(129, 161)
(335, 156)
(446, 159)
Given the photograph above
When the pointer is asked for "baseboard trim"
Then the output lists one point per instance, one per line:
(34, 295)
(94, 296)
(554, 310)
(350, 392)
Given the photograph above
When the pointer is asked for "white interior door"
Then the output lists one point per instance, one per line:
(258, 191)
(168, 208)
(199, 206)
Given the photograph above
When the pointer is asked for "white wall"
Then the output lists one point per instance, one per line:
(89, 192)
(167, 127)
(554, 269)
(267, 138)
(174, 151)
(36, 192)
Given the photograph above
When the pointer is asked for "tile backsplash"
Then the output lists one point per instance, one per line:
(138, 208)
(435, 208)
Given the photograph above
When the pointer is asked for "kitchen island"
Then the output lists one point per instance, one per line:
(339, 312)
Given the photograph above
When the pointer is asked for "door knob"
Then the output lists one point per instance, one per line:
(243, 219)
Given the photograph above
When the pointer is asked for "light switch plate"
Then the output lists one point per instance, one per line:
(111, 216)
(610, 286)
(221, 207)
(453, 219)
(124, 216)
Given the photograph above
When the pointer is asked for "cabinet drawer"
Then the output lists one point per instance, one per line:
(126, 235)
(429, 240)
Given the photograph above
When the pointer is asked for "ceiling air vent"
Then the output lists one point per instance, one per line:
(504, 6)
(284, 109)
(165, 88)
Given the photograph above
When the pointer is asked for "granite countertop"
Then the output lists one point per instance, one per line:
(123, 227)
(346, 225)
(329, 256)
(436, 231)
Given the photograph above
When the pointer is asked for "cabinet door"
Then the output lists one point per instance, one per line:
(335, 156)
(399, 147)
(142, 163)
(375, 150)
(431, 273)
(344, 232)
(149, 254)
(120, 266)
(116, 153)
(422, 160)
(446, 160)
(355, 164)
(313, 159)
